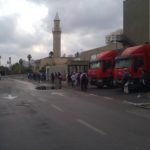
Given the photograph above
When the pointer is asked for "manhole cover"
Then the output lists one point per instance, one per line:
(44, 88)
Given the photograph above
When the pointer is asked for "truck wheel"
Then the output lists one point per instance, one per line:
(100, 86)
(110, 85)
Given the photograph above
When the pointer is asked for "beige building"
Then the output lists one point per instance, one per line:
(86, 55)
(66, 66)
(49, 61)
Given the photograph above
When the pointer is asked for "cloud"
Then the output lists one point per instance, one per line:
(85, 23)
(84, 26)
(7, 28)
(18, 44)
(84, 14)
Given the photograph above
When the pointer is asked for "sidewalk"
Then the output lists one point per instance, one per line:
(142, 100)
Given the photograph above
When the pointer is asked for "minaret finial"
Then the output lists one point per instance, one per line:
(57, 16)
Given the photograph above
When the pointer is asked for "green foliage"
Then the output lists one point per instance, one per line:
(20, 62)
(43, 69)
(29, 58)
(51, 54)
(4, 70)
(19, 69)
(15, 68)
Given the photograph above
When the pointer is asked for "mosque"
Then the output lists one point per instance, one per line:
(56, 63)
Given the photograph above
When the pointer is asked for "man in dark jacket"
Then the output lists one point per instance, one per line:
(84, 82)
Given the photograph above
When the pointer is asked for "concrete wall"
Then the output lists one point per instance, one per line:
(52, 61)
(63, 69)
(136, 21)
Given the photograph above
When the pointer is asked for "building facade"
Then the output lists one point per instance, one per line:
(136, 21)
(86, 55)
(68, 66)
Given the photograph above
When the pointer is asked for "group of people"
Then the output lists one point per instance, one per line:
(37, 76)
(141, 83)
(78, 80)
(74, 80)
(56, 78)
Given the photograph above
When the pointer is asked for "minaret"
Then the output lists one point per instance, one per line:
(57, 37)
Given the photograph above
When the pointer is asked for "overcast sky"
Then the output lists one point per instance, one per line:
(26, 26)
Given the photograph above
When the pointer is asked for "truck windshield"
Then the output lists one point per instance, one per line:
(95, 64)
(123, 63)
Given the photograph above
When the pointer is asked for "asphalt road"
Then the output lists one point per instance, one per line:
(69, 119)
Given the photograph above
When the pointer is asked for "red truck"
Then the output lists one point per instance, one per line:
(100, 71)
(134, 59)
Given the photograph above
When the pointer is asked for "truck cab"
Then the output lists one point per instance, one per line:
(133, 59)
(100, 71)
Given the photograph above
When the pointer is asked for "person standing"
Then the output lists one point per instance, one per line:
(126, 80)
(59, 80)
(73, 80)
(78, 79)
(84, 82)
(52, 78)
(69, 79)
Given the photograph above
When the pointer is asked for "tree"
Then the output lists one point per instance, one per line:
(51, 54)
(4, 70)
(15, 68)
(29, 58)
(20, 62)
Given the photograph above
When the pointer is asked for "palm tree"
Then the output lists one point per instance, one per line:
(29, 58)
(20, 62)
(51, 54)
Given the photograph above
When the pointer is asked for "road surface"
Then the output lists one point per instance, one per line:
(69, 119)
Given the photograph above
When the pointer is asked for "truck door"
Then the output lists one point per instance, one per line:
(138, 63)
(107, 67)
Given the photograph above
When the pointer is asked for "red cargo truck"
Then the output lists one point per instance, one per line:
(100, 71)
(134, 59)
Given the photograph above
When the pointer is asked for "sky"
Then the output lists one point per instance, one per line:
(26, 26)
